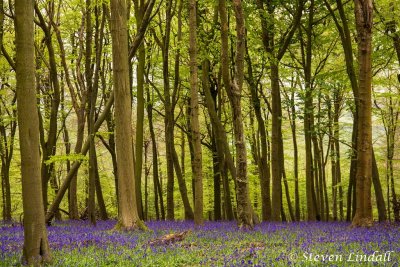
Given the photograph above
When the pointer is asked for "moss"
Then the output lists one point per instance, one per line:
(138, 225)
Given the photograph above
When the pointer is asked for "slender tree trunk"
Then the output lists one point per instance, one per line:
(338, 172)
(287, 193)
(49, 146)
(169, 119)
(276, 52)
(223, 150)
(380, 201)
(363, 13)
(234, 90)
(146, 179)
(182, 186)
(217, 178)
(99, 192)
(156, 181)
(195, 125)
(7, 152)
(139, 12)
(75, 166)
(36, 246)
(292, 112)
(265, 182)
(72, 192)
(332, 155)
(6, 190)
(91, 109)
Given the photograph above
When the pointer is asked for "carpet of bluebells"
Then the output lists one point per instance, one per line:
(77, 243)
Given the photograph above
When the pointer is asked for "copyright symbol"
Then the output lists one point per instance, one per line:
(293, 256)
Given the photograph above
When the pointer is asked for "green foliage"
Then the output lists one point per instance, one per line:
(69, 157)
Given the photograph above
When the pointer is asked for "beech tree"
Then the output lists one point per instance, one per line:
(36, 246)
(128, 217)
(195, 127)
(363, 13)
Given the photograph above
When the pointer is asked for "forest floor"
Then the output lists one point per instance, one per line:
(77, 243)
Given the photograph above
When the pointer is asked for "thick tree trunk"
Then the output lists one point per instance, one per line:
(363, 13)
(36, 247)
(128, 217)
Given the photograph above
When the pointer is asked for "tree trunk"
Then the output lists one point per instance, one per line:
(234, 90)
(128, 217)
(265, 182)
(292, 112)
(91, 109)
(169, 119)
(363, 13)
(72, 192)
(36, 246)
(380, 201)
(276, 52)
(156, 180)
(194, 107)
(182, 186)
(49, 146)
(75, 166)
(139, 11)
(7, 151)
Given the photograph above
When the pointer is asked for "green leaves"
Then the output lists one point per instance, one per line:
(64, 158)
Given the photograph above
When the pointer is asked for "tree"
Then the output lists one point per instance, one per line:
(139, 12)
(363, 13)
(276, 50)
(36, 247)
(195, 126)
(234, 90)
(128, 217)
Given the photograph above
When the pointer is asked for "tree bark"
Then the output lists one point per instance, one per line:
(139, 12)
(7, 152)
(363, 13)
(128, 217)
(195, 125)
(49, 146)
(234, 90)
(265, 183)
(36, 246)
(169, 119)
(157, 186)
